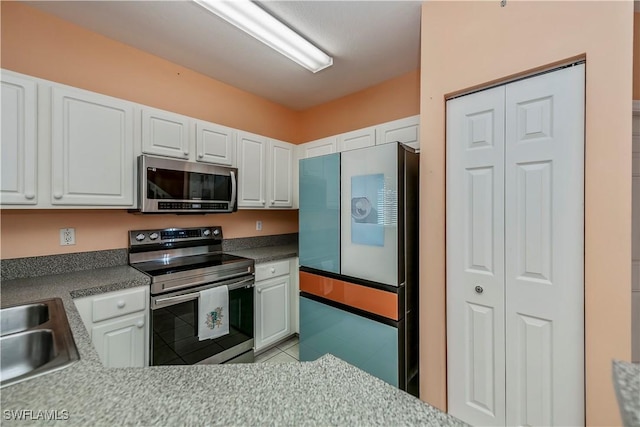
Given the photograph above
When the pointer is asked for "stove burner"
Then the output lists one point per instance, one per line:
(178, 258)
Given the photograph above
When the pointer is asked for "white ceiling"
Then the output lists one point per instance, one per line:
(370, 41)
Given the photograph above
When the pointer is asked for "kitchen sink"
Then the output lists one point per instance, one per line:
(35, 339)
(22, 317)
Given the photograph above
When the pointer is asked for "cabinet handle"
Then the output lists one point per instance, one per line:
(29, 196)
(273, 270)
(200, 155)
(57, 195)
(273, 202)
(186, 152)
(120, 304)
(140, 323)
(259, 291)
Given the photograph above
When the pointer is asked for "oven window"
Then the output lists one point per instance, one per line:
(175, 330)
(179, 185)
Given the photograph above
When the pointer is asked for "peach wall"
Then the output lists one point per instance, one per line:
(36, 232)
(636, 56)
(394, 99)
(42, 45)
(467, 44)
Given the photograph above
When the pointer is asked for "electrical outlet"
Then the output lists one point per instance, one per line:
(259, 225)
(67, 236)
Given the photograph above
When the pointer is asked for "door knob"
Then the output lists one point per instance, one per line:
(479, 289)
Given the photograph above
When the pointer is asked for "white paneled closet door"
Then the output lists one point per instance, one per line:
(540, 326)
(475, 257)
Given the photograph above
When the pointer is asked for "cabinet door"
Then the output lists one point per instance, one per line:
(357, 139)
(19, 144)
(91, 149)
(252, 161)
(280, 171)
(272, 310)
(405, 130)
(165, 133)
(215, 144)
(319, 147)
(121, 343)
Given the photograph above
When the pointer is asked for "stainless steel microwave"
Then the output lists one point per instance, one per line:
(181, 187)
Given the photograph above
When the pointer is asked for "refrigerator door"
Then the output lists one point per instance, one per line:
(371, 346)
(369, 218)
(319, 214)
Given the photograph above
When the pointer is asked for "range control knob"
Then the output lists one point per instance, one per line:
(216, 231)
(207, 233)
(140, 237)
(153, 236)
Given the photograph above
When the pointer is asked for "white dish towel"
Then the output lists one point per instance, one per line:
(213, 313)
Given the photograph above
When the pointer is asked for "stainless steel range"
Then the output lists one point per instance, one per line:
(182, 263)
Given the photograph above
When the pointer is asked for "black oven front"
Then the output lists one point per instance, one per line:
(174, 339)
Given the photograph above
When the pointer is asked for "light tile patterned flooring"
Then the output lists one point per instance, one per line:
(285, 352)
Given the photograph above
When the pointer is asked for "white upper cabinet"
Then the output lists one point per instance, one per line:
(265, 172)
(215, 143)
(405, 130)
(357, 139)
(92, 161)
(317, 148)
(252, 159)
(280, 174)
(165, 133)
(18, 143)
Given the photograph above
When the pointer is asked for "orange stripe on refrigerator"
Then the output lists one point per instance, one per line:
(374, 301)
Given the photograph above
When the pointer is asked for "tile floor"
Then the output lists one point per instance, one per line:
(285, 352)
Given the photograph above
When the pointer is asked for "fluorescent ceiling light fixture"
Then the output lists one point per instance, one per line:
(256, 22)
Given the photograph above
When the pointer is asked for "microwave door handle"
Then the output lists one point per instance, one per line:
(233, 190)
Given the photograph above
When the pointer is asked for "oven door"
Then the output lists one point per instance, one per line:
(175, 330)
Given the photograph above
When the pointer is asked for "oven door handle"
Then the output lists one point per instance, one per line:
(239, 284)
(194, 295)
(185, 297)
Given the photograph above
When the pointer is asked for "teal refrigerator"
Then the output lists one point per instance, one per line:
(358, 249)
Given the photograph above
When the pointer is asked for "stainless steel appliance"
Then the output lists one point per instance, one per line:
(358, 260)
(178, 186)
(181, 263)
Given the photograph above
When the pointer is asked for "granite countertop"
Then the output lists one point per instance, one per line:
(626, 378)
(268, 253)
(324, 392)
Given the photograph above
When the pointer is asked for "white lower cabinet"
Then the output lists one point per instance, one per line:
(272, 303)
(118, 323)
(120, 342)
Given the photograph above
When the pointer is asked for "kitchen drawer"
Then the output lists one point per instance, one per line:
(272, 269)
(118, 304)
